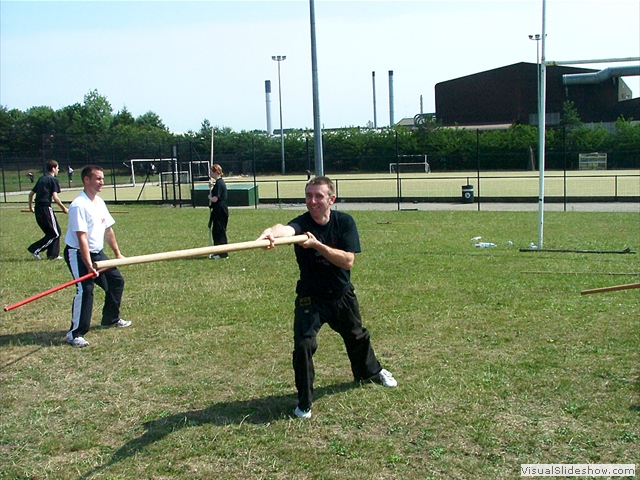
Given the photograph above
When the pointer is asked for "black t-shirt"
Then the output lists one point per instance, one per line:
(318, 277)
(220, 190)
(44, 188)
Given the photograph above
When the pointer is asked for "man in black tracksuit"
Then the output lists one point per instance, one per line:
(46, 190)
(324, 291)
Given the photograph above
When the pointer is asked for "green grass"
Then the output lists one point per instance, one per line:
(497, 365)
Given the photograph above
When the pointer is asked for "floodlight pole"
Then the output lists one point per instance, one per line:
(542, 128)
(537, 38)
(211, 159)
(375, 117)
(317, 126)
(280, 58)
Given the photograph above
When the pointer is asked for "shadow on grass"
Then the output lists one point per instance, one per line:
(43, 339)
(255, 411)
(40, 339)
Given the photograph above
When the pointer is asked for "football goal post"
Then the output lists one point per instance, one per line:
(592, 161)
(410, 164)
(150, 169)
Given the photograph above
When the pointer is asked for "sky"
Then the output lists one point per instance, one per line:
(191, 61)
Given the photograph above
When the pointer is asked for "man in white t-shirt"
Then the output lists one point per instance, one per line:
(89, 227)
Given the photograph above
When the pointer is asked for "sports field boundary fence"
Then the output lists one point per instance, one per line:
(477, 175)
(485, 187)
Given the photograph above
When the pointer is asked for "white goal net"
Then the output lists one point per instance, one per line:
(149, 169)
(592, 161)
(167, 170)
(410, 164)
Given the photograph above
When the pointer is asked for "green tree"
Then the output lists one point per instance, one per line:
(65, 118)
(123, 118)
(11, 136)
(151, 121)
(626, 148)
(627, 135)
(96, 114)
(570, 115)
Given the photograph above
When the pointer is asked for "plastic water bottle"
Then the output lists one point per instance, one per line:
(485, 245)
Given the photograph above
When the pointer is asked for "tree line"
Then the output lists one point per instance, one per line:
(91, 132)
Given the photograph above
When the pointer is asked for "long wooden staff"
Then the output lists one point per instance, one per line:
(197, 252)
(611, 289)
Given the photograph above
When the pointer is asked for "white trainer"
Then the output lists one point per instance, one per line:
(119, 324)
(77, 342)
(298, 412)
(386, 379)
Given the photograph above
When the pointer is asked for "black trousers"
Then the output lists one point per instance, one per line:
(49, 225)
(218, 220)
(111, 281)
(343, 316)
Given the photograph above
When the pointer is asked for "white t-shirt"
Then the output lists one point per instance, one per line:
(91, 217)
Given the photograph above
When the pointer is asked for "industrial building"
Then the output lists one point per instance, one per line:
(508, 95)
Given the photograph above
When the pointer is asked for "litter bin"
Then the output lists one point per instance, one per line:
(467, 193)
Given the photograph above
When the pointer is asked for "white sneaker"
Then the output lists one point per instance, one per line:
(386, 379)
(77, 342)
(119, 324)
(36, 256)
(302, 413)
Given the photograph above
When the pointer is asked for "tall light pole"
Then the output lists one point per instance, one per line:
(375, 117)
(280, 58)
(317, 125)
(391, 122)
(542, 122)
(537, 39)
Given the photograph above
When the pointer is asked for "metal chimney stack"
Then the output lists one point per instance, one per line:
(267, 93)
(375, 115)
(391, 122)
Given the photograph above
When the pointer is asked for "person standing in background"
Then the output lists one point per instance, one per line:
(45, 191)
(218, 210)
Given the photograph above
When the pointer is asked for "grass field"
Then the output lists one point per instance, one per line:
(500, 360)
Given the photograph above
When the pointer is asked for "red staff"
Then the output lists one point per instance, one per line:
(54, 289)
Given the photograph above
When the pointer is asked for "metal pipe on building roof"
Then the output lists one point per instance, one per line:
(593, 78)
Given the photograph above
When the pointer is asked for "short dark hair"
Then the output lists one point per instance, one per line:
(323, 181)
(51, 164)
(88, 171)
